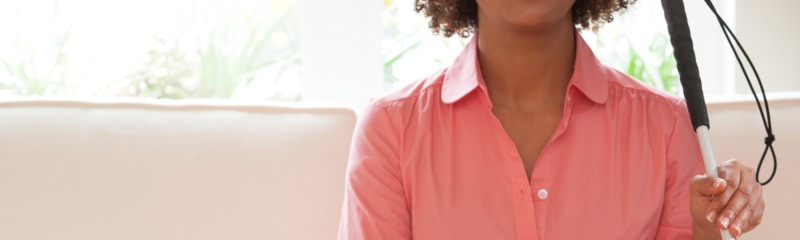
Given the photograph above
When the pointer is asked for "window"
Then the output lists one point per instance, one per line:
(287, 50)
(160, 49)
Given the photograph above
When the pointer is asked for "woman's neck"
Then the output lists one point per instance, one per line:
(526, 69)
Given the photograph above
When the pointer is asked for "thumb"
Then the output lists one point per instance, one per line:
(707, 185)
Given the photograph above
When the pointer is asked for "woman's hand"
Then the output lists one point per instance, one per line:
(737, 203)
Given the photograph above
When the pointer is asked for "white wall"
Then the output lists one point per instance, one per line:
(768, 31)
(737, 133)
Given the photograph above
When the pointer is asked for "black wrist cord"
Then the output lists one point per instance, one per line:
(766, 120)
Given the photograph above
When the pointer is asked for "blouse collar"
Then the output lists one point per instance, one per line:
(464, 75)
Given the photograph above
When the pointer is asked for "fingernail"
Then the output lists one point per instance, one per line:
(718, 182)
(738, 230)
(711, 216)
(725, 221)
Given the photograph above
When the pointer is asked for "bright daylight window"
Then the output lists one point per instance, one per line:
(159, 49)
(250, 49)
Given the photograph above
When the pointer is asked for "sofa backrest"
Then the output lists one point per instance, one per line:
(147, 169)
(161, 169)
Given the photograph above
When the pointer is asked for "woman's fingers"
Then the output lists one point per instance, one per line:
(730, 171)
(738, 204)
(754, 220)
(743, 201)
(741, 219)
(706, 185)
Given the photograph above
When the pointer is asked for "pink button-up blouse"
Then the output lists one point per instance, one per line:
(431, 162)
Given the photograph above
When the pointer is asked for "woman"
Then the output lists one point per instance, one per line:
(527, 136)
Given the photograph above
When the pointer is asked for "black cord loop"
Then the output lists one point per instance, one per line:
(764, 118)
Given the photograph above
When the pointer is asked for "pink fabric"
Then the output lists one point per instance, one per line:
(430, 161)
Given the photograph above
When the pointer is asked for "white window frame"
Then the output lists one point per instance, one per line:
(341, 58)
(714, 57)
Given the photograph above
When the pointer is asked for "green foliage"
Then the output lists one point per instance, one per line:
(39, 70)
(399, 44)
(388, 74)
(655, 65)
(406, 44)
(227, 57)
(231, 46)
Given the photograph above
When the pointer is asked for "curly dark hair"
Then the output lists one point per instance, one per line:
(461, 16)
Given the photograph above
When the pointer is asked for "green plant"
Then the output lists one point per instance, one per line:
(398, 44)
(390, 60)
(229, 45)
(401, 46)
(654, 65)
(40, 70)
(229, 55)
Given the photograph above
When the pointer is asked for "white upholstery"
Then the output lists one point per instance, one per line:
(146, 169)
(160, 169)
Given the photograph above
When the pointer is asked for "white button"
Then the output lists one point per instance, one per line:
(542, 194)
(569, 98)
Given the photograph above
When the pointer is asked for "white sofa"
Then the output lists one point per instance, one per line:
(156, 169)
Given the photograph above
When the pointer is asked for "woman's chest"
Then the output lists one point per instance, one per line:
(483, 194)
(467, 179)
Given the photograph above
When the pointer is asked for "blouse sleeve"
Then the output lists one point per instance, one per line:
(375, 205)
(684, 161)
